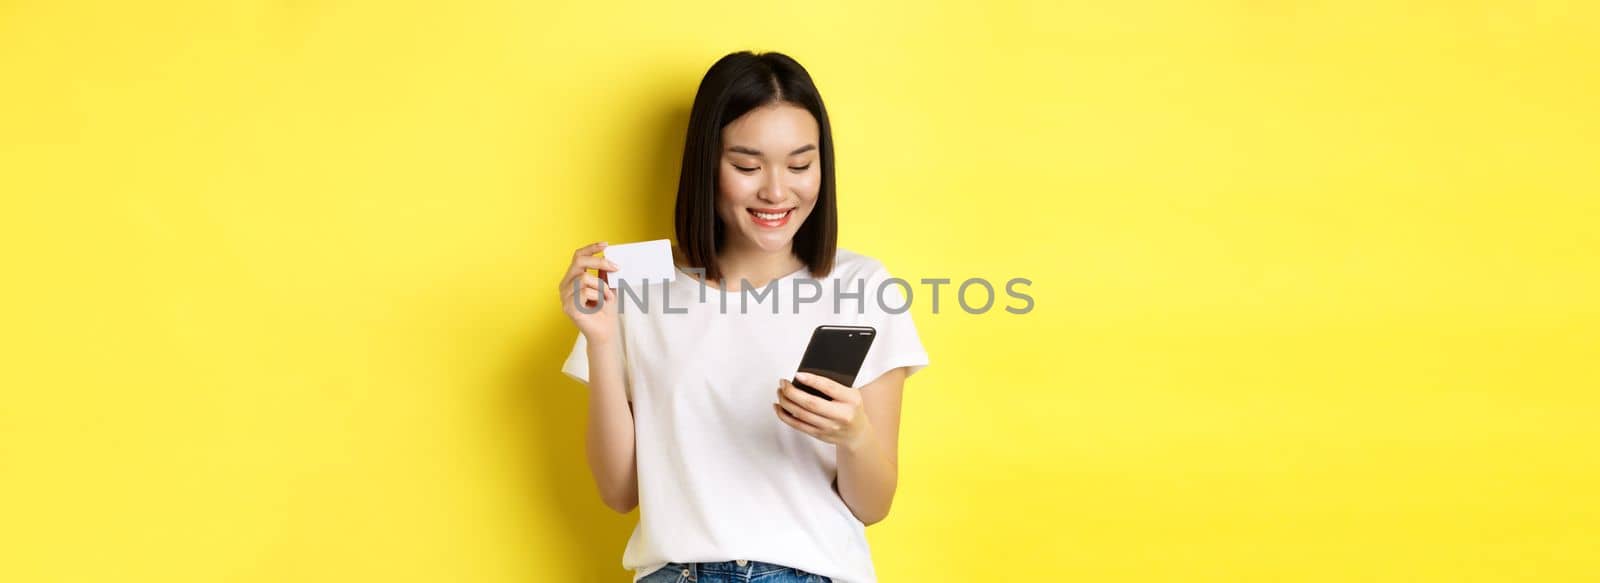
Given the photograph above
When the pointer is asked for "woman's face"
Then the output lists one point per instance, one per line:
(769, 175)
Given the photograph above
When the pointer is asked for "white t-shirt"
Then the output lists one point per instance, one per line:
(720, 476)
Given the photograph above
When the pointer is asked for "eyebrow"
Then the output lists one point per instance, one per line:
(755, 152)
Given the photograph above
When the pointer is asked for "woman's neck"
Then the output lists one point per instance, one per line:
(755, 265)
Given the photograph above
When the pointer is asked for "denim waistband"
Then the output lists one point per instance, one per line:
(734, 568)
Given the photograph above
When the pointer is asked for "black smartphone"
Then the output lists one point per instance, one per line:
(836, 352)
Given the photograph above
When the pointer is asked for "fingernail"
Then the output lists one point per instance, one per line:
(613, 264)
(603, 243)
(802, 375)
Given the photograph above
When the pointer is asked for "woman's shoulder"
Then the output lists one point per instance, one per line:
(848, 264)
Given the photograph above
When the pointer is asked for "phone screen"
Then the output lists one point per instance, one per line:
(836, 353)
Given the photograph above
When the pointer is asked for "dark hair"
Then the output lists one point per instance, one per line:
(736, 84)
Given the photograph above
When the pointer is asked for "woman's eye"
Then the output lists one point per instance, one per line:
(753, 169)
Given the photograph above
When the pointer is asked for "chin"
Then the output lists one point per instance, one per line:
(771, 241)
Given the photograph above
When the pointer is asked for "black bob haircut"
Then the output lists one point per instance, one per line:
(736, 84)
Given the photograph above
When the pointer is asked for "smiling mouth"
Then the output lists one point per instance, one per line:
(770, 217)
(770, 213)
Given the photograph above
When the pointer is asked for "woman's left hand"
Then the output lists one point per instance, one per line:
(842, 421)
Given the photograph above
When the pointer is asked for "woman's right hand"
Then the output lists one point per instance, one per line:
(598, 326)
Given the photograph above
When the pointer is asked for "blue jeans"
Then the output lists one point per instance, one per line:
(731, 572)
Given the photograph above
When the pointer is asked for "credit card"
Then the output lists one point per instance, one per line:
(638, 263)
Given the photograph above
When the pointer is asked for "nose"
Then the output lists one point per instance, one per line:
(774, 191)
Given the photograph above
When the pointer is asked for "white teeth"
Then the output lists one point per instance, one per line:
(770, 216)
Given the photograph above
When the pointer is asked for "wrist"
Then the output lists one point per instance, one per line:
(602, 342)
(862, 442)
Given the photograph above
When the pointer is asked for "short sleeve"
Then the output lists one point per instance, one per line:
(577, 364)
(897, 343)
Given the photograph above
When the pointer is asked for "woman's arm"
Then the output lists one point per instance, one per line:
(864, 427)
(610, 443)
(870, 467)
(609, 440)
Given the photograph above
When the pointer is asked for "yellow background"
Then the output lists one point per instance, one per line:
(1316, 282)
